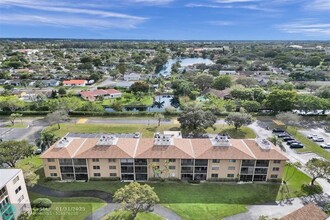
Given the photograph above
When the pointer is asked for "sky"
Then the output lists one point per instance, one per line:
(166, 19)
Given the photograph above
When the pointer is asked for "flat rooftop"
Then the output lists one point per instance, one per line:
(7, 175)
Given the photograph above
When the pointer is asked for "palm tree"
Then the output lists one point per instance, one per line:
(159, 117)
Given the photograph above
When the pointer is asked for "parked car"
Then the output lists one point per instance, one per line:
(286, 139)
(311, 136)
(325, 145)
(318, 139)
(296, 145)
(278, 130)
(283, 135)
(137, 135)
(292, 141)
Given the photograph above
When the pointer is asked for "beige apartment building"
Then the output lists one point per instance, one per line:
(165, 155)
(14, 198)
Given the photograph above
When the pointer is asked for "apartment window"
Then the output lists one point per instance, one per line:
(230, 175)
(232, 161)
(276, 169)
(97, 174)
(214, 175)
(15, 179)
(277, 161)
(155, 160)
(95, 160)
(215, 161)
(52, 167)
(20, 199)
(113, 174)
(171, 167)
(112, 160)
(96, 167)
(274, 176)
(51, 160)
(215, 168)
(112, 167)
(18, 189)
(171, 160)
(231, 168)
(23, 208)
(53, 174)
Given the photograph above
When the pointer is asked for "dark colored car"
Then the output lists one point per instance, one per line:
(296, 145)
(286, 139)
(283, 135)
(278, 130)
(292, 141)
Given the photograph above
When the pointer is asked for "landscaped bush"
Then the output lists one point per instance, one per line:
(311, 189)
(42, 203)
(157, 179)
(52, 179)
(275, 180)
(112, 178)
(173, 179)
(194, 181)
(213, 179)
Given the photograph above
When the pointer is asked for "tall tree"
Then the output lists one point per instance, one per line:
(136, 198)
(203, 81)
(281, 100)
(318, 168)
(13, 117)
(194, 120)
(57, 117)
(12, 151)
(222, 82)
(238, 119)
(11, 102)
(159, 117)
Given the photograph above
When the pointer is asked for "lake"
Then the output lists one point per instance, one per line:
(184, 63)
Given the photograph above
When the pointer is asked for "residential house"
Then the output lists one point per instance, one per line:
(227, 72)
(132, 77)
(14, 198)
(75, 82)
(308, 212)
(77, 157)
(224, 94)
(50, 82)
(95, 94)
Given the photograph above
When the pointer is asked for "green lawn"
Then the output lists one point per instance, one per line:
(206, 200)
(60, 206)
(310, 146)
(147, 131)
(17, 125)
(206, 211)
(34, 160)
(294, 179)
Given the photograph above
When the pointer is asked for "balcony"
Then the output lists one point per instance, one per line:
(260, 171)
(8, 212)
(262, 163)
(3, 195)
(201, 170)
(187, 162)
(201, 163)
(247, 163)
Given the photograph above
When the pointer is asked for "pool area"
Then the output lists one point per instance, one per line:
(201, 99)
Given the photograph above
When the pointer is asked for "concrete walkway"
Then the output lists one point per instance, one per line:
(280, 208)
(107, 197)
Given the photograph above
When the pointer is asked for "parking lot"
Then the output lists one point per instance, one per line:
(320, 133)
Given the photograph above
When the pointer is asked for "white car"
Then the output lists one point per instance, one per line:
(312, 136)
(325, 145)
(317, 139)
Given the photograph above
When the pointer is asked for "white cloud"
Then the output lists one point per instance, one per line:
(235, 1)
(61, 13)
(318, 5)
(153, 2)
(65, 21)
(307, 27)
(221, 23)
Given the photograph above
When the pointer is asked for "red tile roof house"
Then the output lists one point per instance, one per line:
(79, 82)
(95, 94)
